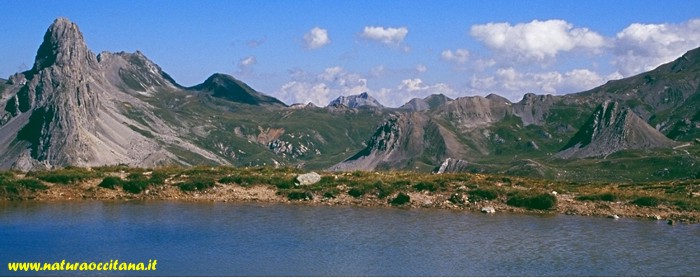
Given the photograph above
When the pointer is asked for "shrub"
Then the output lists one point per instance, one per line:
(646, 201)
(329, 195)
(483, 194)
(356, 192)
(383, 190)
(135, 186)
(158, 177)
(609, 197)
(135, 176)
(196, 184)
(31, 184)
(64, 176)
(541, 201)
(424, 185)
(283, 183)
(401, 183)
(400, 199)
(300, 195)
(231, 179)
(110, 182)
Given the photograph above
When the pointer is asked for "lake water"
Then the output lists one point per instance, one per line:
(216, 239)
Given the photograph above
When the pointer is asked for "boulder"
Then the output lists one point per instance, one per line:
(488, 210)
(308, 178)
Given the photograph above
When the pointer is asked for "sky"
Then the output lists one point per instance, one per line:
(314, 51)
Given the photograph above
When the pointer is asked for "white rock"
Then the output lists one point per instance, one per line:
(488, 210)
(309, 178)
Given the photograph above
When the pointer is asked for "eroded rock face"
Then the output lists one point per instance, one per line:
(612, 128)
(451, 165)
(66, 110)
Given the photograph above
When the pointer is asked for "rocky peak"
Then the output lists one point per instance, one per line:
(356, 101)
(63, 45)
(612, 128)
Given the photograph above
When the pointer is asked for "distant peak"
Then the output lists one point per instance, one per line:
(355, 101)
(63, 45)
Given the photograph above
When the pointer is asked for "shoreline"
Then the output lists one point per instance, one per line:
(268, 194)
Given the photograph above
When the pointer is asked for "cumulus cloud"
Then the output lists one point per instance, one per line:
(536, 40)
(388, 36)
(642, 47)
(321, 88)
(512, 83)
(316, 38)
(459, 56)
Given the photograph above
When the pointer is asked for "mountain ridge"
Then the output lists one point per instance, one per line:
(75, 108)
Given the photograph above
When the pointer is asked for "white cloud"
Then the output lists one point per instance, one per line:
(459, 56)
(321, 88)
(303, 92)
(316, 38)
(247, 62)
(388, 36)
(420, 68)
(512, 83)
(412, 88)
(642, 47)
(245, 65)
(536, 40)
(411, 85)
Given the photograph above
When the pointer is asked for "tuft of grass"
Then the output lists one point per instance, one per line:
(540, 201)
(608, 197)
(300, 195)
(135, 186)
(647, 201)
(356, 192)
(426, 185)
(67, 175)
(196, 184)
(31, 184)
(400, 199)
(111, 182)
(483, 194)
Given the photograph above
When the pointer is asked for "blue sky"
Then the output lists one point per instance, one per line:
(301, 51)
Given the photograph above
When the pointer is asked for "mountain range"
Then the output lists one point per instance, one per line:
(76, 108)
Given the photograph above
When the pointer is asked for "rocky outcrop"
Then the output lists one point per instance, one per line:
(356, 101)
(610, 129)
(400, 141)
(427, 103)
(473, 112)
(451, 165)
(67, 110)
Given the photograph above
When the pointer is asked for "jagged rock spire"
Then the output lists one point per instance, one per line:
(63, 45)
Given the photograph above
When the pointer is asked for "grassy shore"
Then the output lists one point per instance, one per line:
(677, 200)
